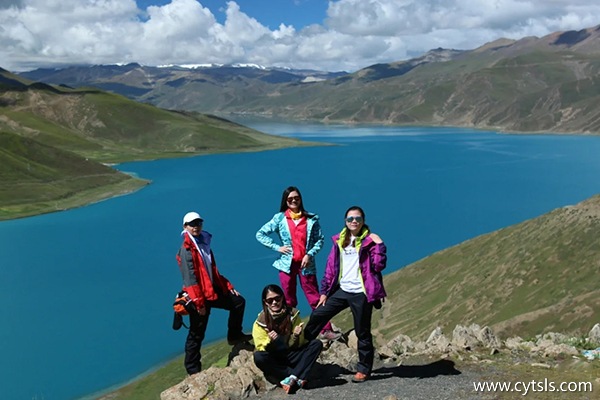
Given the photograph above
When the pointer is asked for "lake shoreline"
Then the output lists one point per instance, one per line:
(123, 188)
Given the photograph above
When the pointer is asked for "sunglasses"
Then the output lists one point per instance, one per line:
(271, 300)
(195, 223)
(357, 219)
(293, 198)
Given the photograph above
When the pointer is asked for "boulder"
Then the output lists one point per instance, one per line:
(437, 342)
(594, 335)
(401, 344)
(464, 338)
(237, 381)
(488, 338)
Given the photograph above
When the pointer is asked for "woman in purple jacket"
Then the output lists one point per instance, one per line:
(352, 279)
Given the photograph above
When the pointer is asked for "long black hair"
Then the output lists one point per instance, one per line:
(283, 207)
(364, 227)
(282, 326)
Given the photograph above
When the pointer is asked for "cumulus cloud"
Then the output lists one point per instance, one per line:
(353, 34)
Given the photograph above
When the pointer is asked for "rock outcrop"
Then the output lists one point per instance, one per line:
(242, 379)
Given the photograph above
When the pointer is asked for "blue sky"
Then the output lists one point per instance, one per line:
(271, 13)
(335, 35)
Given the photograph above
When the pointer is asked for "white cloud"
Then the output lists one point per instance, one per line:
(354, 34)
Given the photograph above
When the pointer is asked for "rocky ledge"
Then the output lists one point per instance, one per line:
(242, 379)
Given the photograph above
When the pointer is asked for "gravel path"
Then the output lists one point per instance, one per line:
(430, 380)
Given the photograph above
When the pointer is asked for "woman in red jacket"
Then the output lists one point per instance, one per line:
(207, 289)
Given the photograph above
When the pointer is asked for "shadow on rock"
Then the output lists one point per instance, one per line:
(441, 367)
(235, 351)
(325, 375)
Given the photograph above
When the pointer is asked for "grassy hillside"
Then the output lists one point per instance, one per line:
(110, 128)
(54, 139)
(538, 276)
(37, 178)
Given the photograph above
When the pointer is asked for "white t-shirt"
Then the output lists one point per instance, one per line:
(351, 280)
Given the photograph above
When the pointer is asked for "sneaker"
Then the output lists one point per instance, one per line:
(329, 336)
(360, 377)
(288, 383)
(301, 383)
(243, 338)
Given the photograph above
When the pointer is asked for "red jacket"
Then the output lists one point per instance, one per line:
(196, 281)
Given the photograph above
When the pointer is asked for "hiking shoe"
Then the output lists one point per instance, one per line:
(243, 338)
(330, 336)
(301, 383)
(288, 383)
(360, 377)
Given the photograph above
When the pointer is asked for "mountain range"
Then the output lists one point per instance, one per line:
(547, 84)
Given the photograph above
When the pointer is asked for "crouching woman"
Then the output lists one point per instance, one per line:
(282, 352)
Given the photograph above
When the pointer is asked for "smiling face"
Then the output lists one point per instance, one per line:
(293, 201)
(194, 227)
(274, 301)
(354, 221)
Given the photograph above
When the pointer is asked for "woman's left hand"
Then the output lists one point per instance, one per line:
(305, 261)
(298, 329)
(234, 292)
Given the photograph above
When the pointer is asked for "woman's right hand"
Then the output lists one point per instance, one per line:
(285, 249)
(322, 300)
(272, 335)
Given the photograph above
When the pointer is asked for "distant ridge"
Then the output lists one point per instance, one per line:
(547, 84)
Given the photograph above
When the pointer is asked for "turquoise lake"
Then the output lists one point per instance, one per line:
(86, 294)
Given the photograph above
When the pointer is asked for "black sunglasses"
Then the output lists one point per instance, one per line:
(195, 223)
(357, 219)
(271, 300)
(293, 198)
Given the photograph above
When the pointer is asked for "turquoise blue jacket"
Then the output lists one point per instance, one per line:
(278, 224)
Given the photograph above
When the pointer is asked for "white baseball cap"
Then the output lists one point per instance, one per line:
(191, 216)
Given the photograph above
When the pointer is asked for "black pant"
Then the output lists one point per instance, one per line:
(230, 302)
(296, 362)
(361, 313)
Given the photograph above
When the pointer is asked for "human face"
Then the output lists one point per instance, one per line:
(354, 221)
(194, 227)
(274, 301)
(294, 201)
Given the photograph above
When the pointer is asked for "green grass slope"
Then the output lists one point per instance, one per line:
(38, 178)
(109, 127)
(537, 276)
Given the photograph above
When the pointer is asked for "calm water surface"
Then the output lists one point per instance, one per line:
(86, 294)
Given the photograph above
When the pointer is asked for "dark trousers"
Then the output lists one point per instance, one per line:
(292, 362)
(361, 313)
(230, 302)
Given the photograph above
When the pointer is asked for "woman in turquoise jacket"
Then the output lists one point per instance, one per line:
(301, 239)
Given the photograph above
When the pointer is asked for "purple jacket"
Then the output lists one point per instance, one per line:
(372, 260)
